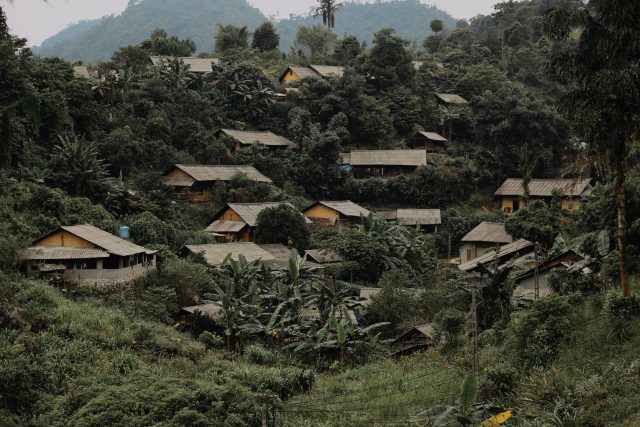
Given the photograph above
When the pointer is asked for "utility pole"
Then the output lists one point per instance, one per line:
(265, 410)
(474, 317)
(537, 283)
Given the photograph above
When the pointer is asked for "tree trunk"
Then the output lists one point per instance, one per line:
(622, 226)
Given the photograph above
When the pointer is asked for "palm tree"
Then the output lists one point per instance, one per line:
(327, 10)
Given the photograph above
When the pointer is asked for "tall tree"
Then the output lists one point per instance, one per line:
(327, 9)
(231, 37)
(265, 38)
(600, 57)
(315, 40)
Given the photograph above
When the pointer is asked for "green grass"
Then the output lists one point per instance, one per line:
(383, 392)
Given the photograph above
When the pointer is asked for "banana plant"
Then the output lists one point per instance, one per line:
(466, 413)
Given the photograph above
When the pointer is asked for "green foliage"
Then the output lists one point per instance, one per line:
(537, 334)
(188, 279)
(537, 223)
(449, 323)
(314, 41)
(146, 228)
(265, 38)
(282, 224)
(160, 43)
(231, 37)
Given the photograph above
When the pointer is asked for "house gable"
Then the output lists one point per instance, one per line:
(64, 239)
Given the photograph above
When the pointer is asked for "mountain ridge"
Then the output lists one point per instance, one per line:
(95, 40)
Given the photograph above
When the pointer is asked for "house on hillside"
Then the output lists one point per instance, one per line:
(81, 72)
(427, 219)
(295, 73)
(197, 181)
(487, 236)
(237, 221)
(505, 256)
(196, 65)
(385, 163)
(450, 100)
(526, 281)
(415, 339)
(432, 142)
(245, 138)
(85, 254)
(334, 213)
(511, 195)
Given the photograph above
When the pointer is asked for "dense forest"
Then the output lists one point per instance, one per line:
(199, 20)
(551, 89)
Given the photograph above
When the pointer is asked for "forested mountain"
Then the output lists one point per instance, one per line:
(95, 40)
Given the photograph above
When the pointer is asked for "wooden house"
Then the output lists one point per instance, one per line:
(427, 219)
(511, 253)
(511, 195)
(334, 213)
(237, 221)
(432, 142)
(196, 65)
(85, 254)
(415, 339)
(296, 73)
(197, 181)
(526, 281)
(385, 163)
(245, 138)
(487, 236)
(451, 100)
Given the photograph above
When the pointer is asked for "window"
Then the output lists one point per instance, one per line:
(469, 256)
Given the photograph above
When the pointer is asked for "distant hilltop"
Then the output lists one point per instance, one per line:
(96, 40)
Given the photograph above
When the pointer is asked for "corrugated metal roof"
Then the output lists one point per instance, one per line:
(45, 253)
(433, 136)
(249, 211)
(328, 70)
(345, 207)
(451, 98)
(206, 173)
(196, 65)
(269, 139)
(323, 257)
(222, 226)
(175, 181)
(544, 187)
(388, 158)
(504, 251)
(303, 72)
(81, 72)
(215, 254)
(388, 215)
(491, 232)
(419, 216)
(107, 241)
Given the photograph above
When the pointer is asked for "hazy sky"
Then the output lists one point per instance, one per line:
(37, 20)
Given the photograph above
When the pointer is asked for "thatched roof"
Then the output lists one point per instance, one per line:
(511, 250)
(490, 232)
(345, 207)
(215, 254)
(388, 158)
(223, 226)
(81, 72)
(323, 256)
(419, 216)
(59, 253)
(303, 72)
(106, 241)
(544, 187)
(328, 70)
(269, 139)
(196, 65)
(433, 136)
(451, 98)
(211, 173)
(211, 310)
(277, 250)
(249, 211)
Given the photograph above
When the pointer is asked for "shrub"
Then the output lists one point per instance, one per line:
(211, 340)
(449, 326)
(146, 228)
(281, 224)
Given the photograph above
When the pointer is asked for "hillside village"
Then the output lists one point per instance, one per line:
(340, 234)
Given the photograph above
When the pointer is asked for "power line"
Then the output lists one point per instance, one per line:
(384, 385)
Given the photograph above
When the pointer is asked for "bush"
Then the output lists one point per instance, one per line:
(450, 325)
(536, 335)
(281, 224)
(260, 355)
(211, 340)
(146, 228)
